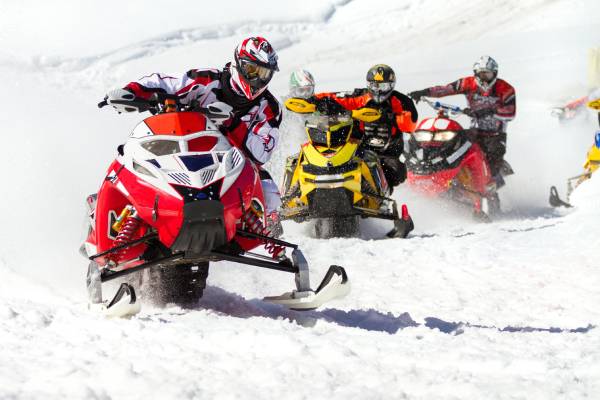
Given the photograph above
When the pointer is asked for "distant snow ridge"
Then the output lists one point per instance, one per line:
(289, 32)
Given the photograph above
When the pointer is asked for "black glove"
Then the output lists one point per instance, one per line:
(484, 112)
(479, 113)
(417, 94)
(329, 106)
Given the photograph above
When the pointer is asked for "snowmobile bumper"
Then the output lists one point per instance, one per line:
(202, 229)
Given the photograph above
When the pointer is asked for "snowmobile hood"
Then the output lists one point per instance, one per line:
(439, 124)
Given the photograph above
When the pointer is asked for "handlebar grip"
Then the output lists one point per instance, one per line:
(103, 103)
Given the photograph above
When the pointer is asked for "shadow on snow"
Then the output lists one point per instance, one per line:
(223, 302)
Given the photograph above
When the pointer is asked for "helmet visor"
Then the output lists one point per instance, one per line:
(303, 92)
(485, 75)
(254, 72)
(380, 87)
(380, 90)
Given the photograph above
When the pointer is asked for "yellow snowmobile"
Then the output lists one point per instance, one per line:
(333, 180)
(592, 163)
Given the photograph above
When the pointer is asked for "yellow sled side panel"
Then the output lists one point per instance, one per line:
(594, 105)
(351, 180)
(593, 159)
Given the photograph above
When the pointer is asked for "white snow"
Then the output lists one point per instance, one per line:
(460, 310)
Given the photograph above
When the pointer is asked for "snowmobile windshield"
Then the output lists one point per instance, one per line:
(324, 121)
(162, 147)
(329, 130)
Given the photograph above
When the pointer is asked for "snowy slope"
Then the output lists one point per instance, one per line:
(507, 310)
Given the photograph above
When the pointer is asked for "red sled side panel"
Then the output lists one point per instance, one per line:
(434, 184)
(480, 172)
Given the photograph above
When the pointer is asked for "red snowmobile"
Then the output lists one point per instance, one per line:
(177, 197)
(441, 160)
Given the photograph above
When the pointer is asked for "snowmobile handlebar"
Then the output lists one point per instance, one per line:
(163, 102)
(439, 106)
(154, 104)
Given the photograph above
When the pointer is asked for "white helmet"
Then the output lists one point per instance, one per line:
(486, 72)
(253, 66)
(302, 84)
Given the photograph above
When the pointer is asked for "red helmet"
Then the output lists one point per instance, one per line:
(254, 64)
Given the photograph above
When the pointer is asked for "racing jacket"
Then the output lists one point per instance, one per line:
(500, 99)
(253, 124)
(399, 115)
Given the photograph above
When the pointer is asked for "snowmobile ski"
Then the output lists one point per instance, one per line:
(335, 284)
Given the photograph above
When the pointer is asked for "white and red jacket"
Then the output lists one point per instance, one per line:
(500, 98)
(253, 125)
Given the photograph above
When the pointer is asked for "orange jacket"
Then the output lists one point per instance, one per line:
(399, 105)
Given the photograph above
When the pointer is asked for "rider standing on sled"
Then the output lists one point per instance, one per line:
(492, 104)
(255, 114)
(399, 114)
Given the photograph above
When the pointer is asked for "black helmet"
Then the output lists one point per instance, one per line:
(380, 82)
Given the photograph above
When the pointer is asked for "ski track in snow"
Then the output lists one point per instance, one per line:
(507, 310)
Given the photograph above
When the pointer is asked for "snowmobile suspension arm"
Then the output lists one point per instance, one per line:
(284, 266)
(124, 246)
(266, 238)
(109, 275)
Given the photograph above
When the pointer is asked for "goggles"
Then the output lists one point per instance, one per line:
(252, 71)
(378, 87)
(486, 76)
(303, 92)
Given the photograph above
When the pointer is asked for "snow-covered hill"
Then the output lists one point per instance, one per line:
(507, 310)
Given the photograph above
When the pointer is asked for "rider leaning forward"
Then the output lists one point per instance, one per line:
(242, 84)
(383, 136)
(492, 104)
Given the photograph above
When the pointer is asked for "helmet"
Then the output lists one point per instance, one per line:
(254, 64)
(302, 84)
(380, 82)
(485, 70)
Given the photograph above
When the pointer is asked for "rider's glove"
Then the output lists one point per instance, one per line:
(417, 94)
(328, 106)
(479, 113)
(484, 112)
(118, 99)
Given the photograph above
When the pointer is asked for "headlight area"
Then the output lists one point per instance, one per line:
(427, 136)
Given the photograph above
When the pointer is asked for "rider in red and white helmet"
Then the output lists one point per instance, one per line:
(255, 63)
(492, 104)
(242, 84)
